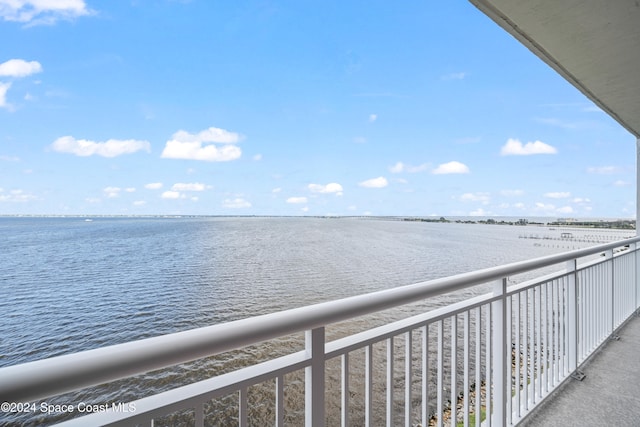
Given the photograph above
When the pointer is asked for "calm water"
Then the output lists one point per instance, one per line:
(69, 285)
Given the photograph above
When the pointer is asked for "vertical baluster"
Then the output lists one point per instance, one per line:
(279, 401)
(440, 372)
(243, 409)
(467, 386)
(517, 354)
(525, 351)
(425, 375)
(368, 385)
(408, 377)
(539, 349)
(454, 366)
(478, 364)
(345, 391)
(199, 409)
(509, 362)
(390, 382)
(489, 362)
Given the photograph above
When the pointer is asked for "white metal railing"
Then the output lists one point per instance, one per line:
(490, 359)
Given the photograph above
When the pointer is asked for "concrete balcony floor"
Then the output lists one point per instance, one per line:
(609, 395)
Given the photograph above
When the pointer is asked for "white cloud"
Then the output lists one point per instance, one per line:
(305, 209)
(194, 186)
(565, 210)
(236, 203)
(297, 200)
(359, 139)
(139, 203)
(185, 145)
(112, 192)
(171, 195)
(373, 118)
(476, 197)
(276, 190)
(479, 212)
(257, 157)
(397, 168)
(451, 167)
(558, 195)
(621, 183)
(581, 200)
(4, 87)
(401, 167)
(604, 170)
(332, 187)
(19, 67)
(42, 11)
(544, 207)
(153, 186)
(130, 190)
(16, 196)
(514, 147)
(110, 148)
(379, 182)
(511, 193)
(10, 158)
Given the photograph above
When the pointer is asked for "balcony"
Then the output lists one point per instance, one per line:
(498, 356)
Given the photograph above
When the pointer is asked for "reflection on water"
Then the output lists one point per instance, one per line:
(70, 285)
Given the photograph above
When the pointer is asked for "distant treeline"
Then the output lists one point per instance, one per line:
(617, 224)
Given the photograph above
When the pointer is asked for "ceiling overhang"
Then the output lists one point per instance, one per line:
(594, 44)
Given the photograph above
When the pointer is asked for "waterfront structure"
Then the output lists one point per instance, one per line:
(513, 346)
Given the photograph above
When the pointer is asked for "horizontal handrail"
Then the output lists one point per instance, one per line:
(48, 377)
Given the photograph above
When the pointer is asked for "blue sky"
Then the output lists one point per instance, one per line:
(293, 108)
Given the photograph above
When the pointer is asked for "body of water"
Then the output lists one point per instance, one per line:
(69, 284)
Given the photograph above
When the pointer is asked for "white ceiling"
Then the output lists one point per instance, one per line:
(594, 44)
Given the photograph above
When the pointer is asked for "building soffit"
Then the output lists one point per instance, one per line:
(594, 44)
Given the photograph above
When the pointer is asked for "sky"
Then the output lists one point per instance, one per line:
(413, 108)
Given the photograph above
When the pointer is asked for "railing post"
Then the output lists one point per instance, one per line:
(572, 313)
(612, 294)
(499, 371)
(314, 378)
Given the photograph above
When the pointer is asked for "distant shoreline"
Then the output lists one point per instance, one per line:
(619, 224)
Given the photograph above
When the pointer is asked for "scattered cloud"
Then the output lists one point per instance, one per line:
(4, 87)
(297, 200)
(153, 186)
(401, 167)
(332, 187)
(360, 140)
(379, 182)
(451, 167)
(484, 198)
(276, 190)
(569, 125)
(621, 183)
(112, 192)
(171, 195)
(604, 170)
(479, 212)
(139, 203)
(10, 158)
(514, 147)
(18, 67)
(110, 148)
(558, 195)
(42, 12)
(565, 210)
(194, 186)
(511, 193)
(19, 196)
(199, 146)
(373, 118)
(237, 203)
(257, 157)
(581, 200)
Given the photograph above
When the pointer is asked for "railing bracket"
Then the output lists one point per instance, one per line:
(614, 337)
(578, 375)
